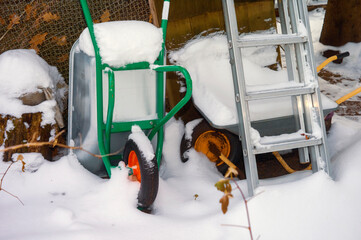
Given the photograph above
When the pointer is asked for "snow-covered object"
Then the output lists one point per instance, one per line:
(143, 144)
(124, 42)
(64, 201)
(32, 161)
(23, 71)
(207, 60)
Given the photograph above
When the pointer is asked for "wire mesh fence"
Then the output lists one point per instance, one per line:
(52, 26)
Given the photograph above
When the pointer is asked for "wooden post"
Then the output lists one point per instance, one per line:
(27, 129)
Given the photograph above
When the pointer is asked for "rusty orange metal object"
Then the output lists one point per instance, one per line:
(218, 139)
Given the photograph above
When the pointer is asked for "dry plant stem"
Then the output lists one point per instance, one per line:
(54, 143)
(1, 183)
(247, 211)
(234, 225)
(1, 38)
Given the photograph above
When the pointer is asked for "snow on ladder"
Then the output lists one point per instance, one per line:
(297, 42)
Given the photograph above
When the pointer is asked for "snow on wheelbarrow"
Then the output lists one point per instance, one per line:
(207, 60)
(117, 84)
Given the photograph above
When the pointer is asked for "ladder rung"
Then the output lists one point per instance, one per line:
(274, 93)
(287, 145)
(270, 40)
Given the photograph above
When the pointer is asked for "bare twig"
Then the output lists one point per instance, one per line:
(1, 38)
(13, 196)
(234, 225)
(1, 183)
(247, 211)
(54, 143)
(254, 196)
(2, 178)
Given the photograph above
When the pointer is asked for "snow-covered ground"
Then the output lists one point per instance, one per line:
(62, 200)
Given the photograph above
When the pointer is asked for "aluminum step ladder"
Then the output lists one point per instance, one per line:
(305, 94)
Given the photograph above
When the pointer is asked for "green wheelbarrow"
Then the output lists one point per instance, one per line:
(116, 84)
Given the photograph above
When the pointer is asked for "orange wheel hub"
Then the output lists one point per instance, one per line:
(133, 163)
(217, 138)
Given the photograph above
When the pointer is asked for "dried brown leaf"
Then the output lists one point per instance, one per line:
(21, 158)
(225, 202)
(2, 21)
(223, 185)
(37, 22)
(63, 58)
(105, 17)
(48, 16)
(60, 41)
(30, 11)
(14, 19)
(37, 40)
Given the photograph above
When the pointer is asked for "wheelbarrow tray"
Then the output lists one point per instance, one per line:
(82, 113)
(266, 127)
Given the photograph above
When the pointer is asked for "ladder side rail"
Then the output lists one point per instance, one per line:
(299, 48)
(285, 28)
(317, 96)
(291, 68)
(302, 63)
(305, 121)
(244, 125)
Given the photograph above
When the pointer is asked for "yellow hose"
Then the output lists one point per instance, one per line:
(283, 162)
(333, 58)
(327, 61)
(285, 165)
(349, 95)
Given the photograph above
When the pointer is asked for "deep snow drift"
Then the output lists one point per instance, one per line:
(62, 200)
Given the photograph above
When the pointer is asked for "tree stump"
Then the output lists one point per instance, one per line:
(27, 129)
(342, 23)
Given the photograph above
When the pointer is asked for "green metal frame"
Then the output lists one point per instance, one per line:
(155, 126)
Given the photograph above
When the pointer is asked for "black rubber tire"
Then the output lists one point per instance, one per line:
(149, 176)
(235, 155)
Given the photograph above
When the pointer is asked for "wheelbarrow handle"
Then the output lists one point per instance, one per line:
(343, 55)
(181, 103)
(331, 59)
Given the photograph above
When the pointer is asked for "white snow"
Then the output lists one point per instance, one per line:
(9, 126)
(143, 143)
(124, 42)
(33, 161)
(62, 200)
(23, 71)
(207, 60)
(189, 128)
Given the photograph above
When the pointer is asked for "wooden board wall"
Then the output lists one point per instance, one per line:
(189, 18)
